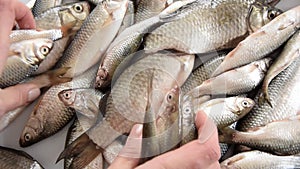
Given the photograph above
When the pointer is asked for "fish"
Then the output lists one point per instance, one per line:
(124, 45)
(24, 58)
(12, 159)
(20, 35)
(213, 24)
(147, 9)
(202, 73)
(259, 160)
(41, 6)
(226, 111)
(161, 131)
(279, 137)
(234, 82)
(69, 19)
(128, 18)
(50, 115)
(290, 52)
(45, 80)
(127, 100)
(94, 37)
(84, 101)
(283, 92)
(279, 30)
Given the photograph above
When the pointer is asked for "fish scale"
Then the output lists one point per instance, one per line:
(51, 113)
(283, 92)
(42, 5)
(207, 24)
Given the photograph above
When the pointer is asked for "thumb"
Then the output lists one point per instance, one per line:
(16, 96)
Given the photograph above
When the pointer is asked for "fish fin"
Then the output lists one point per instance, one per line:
(226, 135)
(86, 156)
(55, 76)
(265, 97)
(75, 148)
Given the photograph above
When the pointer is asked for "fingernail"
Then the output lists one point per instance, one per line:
(139, 129)
(207, 131)
(33, 94)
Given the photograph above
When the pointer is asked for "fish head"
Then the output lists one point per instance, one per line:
(67, 96)
(263, 64)
(73, 16)
(240, 106)
(34, 51)
(115, 10)
(261, 14)
(102, 78)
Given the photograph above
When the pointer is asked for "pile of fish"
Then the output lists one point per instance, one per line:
(108, 65)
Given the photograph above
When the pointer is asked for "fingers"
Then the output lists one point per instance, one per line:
(16, 96)
(129, 156)
(11, 11)
(196, 154)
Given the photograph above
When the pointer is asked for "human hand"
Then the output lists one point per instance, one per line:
(202, 153)
(12, 11)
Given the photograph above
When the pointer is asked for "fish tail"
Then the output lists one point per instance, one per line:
(90, 152)
(76, 147)
(226, 135)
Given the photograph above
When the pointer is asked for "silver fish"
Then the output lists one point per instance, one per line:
(42, 5)
(260, 160)
(290, 52)
(147, 9)
(24, 58)
(20, 35)
(279, 30)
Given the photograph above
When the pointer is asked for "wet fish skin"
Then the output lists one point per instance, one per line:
(283, 92)
(45, 80)
(279, 29)
(128, 18)
(24, 58)
(125, 44)
(19, 35)
(12, 159)
(259, 160)
(234, 82)
(50, 115)
(232, 27)
(290, 52)
(226, 111)
(41, 5)
(86, 42)
(147, 9)
(120, 114)
(279, 137)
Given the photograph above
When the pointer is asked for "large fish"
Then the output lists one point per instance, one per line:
(258, 44)
(94, 37)
(290, 52)
(69, 19)
(45, 80)
(12, 159)
(50, 114)
(283, 92)
(127, 101)
(279, 137)
(237, 81)
(213, 24)
(24, 58)
(260, 160)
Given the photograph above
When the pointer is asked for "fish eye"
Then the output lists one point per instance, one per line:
(272, 14)
(44, 50)
(187, 110)
(78, 8)
(170, 97)
(67, 95)
(245, 104)
(27, 137)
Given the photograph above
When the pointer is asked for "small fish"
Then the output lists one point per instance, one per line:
(24, 58)
(94, 37)
(290, 52)
(42, 5)
(147, 9)
(126, 103)
(260, 160)
(45, 80)
(50, 115)
(12, 159)
(226, 111)
(124, 45)
(279, 137)
(234, 82)
(213, 24)
(20, 35)
(279, 30)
